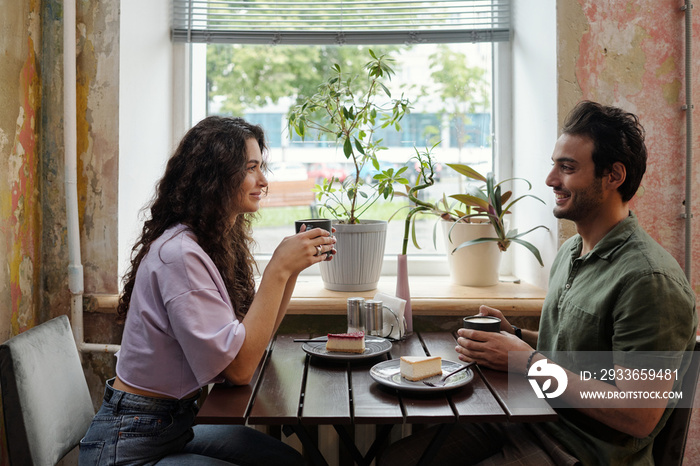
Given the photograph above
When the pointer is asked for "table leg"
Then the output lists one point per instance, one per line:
(373, 449)
(309, 445)
(435, 444)
(350, 445)
(382, 435)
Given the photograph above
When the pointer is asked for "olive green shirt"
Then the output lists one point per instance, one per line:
(627, 294)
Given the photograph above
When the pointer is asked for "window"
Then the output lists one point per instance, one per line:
(260, 59)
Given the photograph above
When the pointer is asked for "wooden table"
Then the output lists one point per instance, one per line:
(295, 390)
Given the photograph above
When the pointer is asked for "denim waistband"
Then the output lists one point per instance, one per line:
(132, 401)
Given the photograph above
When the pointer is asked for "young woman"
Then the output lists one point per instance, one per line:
(192, 314)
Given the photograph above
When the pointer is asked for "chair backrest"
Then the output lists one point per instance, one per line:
(45, 398)
(669, 445)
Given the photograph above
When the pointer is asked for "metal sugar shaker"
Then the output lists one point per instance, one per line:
(374, 317)
(356, 314)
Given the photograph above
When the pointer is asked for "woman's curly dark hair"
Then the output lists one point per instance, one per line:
(201, 189)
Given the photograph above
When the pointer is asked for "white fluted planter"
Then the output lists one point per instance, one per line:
(358, 262)
(475, 265)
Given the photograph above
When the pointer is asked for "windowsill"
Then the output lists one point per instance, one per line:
(430, 295)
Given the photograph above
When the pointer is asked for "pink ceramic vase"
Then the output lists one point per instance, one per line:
(402, 290)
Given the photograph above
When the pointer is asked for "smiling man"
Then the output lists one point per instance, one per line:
(614, 293)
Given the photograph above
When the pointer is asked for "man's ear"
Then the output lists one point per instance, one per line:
(614, 177)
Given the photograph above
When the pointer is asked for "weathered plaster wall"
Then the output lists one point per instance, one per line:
(20, 177)
(97, 125)
(97, 89)
(33, 248)
(98, 149)
(632, 54)
(20, 210)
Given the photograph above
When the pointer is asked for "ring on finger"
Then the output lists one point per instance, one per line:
(318, 251)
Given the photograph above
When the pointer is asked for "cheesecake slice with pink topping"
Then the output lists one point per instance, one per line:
(346, 342)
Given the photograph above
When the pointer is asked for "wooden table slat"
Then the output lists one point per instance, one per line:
(441, 344)
(229, 404)
(506, 389)
(421, 408)
(279, 392)
(326, 393)
(372, 402)
(411, 346)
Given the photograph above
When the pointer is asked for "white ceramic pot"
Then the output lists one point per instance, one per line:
(358, 262)
(475, 265)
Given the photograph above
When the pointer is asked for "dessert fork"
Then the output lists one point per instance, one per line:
(441, 382)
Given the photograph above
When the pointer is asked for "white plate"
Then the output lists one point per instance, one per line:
(389, 373)
(374, 346)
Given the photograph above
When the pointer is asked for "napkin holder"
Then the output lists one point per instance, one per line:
(394, 320)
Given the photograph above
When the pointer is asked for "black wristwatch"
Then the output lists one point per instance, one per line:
(518, 332)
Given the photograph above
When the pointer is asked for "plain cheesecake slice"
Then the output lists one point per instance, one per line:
(346, 342)
(420, 367)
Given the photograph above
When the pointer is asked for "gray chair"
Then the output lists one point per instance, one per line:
(45, 398)
(669, 445)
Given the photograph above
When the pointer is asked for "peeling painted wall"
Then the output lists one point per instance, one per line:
(20, 177)
(33, 248)
(632, 54)
(97, 145)
(20, 210)
(97, 89)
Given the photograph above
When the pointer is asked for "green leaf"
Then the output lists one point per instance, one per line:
(532, 249)
(522, 197)
(467, 171)
(473, 242)
(471, 201)
(347, 148)
(414, 240)
(385, 89)
(529, 185)
(359, 147)
(516, 235)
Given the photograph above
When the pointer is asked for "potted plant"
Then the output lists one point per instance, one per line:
(349, 110)
(475, 227)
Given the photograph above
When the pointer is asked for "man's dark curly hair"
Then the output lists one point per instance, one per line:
(201, 190)
(617, 137)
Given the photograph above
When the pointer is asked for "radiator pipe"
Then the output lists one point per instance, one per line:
(76, 281)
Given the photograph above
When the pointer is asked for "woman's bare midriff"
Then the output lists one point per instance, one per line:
(121, 386)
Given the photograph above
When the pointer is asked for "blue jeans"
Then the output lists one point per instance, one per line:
(140, 430)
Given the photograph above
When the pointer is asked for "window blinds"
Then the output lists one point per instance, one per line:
(340, 22)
